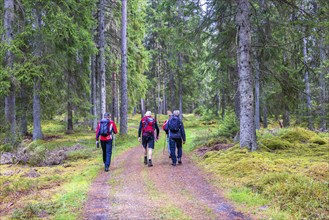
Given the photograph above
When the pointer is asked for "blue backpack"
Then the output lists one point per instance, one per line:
(104, 129)
(174, 124)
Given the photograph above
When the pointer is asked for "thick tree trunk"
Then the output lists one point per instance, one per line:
(307, 86)
(37, 131)
(10, 99)
(124, 94)
(101, 45)
(247, 122)
(24, 111)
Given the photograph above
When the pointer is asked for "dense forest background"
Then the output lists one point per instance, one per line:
(66, 58)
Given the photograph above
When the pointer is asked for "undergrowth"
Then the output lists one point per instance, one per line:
(56, 191)
(286, 178)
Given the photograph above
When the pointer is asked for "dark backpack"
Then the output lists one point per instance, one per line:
(148, 124)
(174, 124)
(104, 129)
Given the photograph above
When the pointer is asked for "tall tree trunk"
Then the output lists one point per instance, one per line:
(101, 45)
(124, 94)
(37, 132)
(247, 122)
(257, 104)
(180, 66)
(24, 109)
(264, 112)
(93, 95)
(114, 99)
(69, 106)
(10, 99)
(164, 97)
(322, 91)
(307, 86)
(142, 108)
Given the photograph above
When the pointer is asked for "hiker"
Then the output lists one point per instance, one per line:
(177, 136)
(164, 128)
(146, 128)
(105, 129)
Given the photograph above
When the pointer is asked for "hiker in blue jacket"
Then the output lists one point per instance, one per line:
(175, 128)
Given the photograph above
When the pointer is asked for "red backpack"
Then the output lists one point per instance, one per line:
(148, 124)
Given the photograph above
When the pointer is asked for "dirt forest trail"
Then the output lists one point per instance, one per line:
(132, 190)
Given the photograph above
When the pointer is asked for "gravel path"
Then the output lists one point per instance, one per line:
(132, 190)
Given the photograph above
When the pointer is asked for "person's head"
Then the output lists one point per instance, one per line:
(148, 113)
(107, 115)
(176, 113)
(169, 113)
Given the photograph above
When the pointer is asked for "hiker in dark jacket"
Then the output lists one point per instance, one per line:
(105, 129)
(146, 128)
(175, 128)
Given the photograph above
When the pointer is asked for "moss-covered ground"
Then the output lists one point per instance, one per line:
(286, 178)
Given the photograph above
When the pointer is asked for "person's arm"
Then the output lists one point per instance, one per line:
(140, 129)
(157, 129)
(114, 128)
(164, 127)
(97, 131)
(182, 130)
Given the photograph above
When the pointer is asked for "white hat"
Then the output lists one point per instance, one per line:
(148, 113)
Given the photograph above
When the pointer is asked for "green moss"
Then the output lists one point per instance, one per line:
(245, 195)
(296, 193)
(276, 143)
(297, 135)
(318, 140)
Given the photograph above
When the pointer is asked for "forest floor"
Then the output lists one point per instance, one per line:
(132, 190)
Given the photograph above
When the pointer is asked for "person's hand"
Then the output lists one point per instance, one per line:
(183, 142)
(139, 139)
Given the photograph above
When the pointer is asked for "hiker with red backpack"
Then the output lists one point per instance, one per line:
(105, 129)
(175, 128)
(146, 129)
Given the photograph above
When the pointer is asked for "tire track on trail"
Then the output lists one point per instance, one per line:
(187, 189)
(132, 190)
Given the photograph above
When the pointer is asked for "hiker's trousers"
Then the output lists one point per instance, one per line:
(107, 152)
(175, 142)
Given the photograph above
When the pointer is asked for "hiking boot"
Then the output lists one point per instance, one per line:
(150, 163)
(173, 164)
(179, 160)
(106, 169)
(145, 160)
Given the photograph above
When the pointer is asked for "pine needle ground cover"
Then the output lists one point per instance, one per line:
(287, 178)
(42, 188)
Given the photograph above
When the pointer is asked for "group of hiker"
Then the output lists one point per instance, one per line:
(148, 134)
